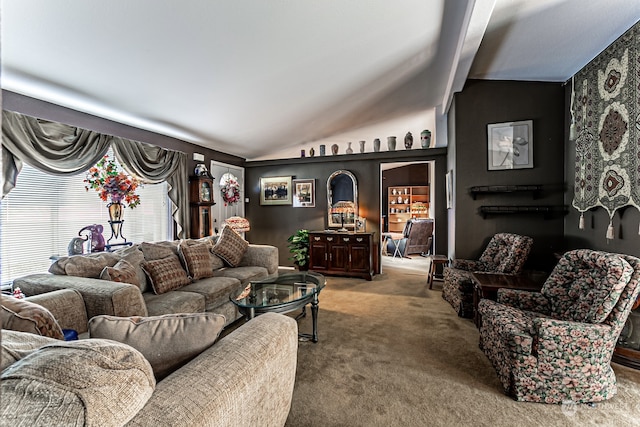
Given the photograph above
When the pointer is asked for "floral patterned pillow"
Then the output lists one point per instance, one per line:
(586, 285)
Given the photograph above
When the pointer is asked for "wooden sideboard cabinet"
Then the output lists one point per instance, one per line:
(342, 254)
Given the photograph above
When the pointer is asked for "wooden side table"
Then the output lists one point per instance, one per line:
(487, 285)
(435, 260)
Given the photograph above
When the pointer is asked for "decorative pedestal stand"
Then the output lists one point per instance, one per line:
(115, 221)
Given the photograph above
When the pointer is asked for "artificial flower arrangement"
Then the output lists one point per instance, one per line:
(112, 184)
(230, 189)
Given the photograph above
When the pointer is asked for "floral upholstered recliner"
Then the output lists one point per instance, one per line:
(556, 345)
(506, 253)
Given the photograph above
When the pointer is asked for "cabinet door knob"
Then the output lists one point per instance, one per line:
(316, 239)
(359, 239)
(330, 239)
(346, 239)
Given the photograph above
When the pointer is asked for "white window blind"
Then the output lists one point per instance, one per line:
(44, 212)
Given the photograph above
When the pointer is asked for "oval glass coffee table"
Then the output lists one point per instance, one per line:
(282, 294)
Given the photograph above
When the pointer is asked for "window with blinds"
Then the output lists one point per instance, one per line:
(44, 212)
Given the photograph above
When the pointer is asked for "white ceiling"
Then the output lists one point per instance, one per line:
(254, 77)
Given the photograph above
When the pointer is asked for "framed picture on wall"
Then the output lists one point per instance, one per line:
(304, 193)
(510, 145)
(275, 190)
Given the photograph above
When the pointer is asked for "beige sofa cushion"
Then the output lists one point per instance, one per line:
(196, 259)
(20, 315)
(90, 265)
(167, 341)
(158, 250)
(134, 256)
(86, 382)
(123, 272)
(166, 274)
(230, 246)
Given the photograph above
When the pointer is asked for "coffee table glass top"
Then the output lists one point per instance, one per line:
(281, 290)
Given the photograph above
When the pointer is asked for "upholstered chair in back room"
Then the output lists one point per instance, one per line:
(417, 238)
(506, 253)
(556, 345)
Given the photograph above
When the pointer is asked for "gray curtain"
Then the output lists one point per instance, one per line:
(155, 165)
(54, 148)
(60, 149)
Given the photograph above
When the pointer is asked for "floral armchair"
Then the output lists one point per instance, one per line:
(506, 253)
(556, 345)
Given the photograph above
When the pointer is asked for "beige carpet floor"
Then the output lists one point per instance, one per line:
(393, 353)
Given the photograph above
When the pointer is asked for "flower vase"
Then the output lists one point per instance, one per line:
(115, 220)
(376, 145)
(362, 143)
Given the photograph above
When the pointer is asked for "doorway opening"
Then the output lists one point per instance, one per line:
(222, 173)
(407, 192)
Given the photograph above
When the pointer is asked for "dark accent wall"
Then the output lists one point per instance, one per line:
(56, 113)
(483, 102)
(274, 224)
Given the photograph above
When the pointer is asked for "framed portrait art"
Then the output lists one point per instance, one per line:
(304, 193)
(275, 190)
(510, 145)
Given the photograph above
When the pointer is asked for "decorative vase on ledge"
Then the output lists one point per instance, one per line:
(115, 220)
(349, 149)
(425, 138)
(376, 145)
(391, 143)
(408, 141)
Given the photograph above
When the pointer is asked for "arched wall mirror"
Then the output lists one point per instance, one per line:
(342, 200)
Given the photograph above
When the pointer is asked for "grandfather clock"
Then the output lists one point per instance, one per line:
(201, 201)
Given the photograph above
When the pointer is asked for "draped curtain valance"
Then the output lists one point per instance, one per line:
(60, 149)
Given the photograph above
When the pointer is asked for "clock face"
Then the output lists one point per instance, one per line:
(205, 192)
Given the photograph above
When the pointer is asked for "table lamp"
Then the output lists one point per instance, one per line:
(343, 207)
(237, 223)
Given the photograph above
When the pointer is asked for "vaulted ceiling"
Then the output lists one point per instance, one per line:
(252, 77)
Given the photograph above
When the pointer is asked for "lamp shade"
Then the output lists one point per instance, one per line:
(237, 223)
(343, 207)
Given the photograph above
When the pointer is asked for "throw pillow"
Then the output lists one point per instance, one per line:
(167, 341)
(165, 274)
(230, 246)
(196, 258)
(134, 256)
(159, 250)
(123, 272)
(90, 265)
(20, 315)
(86, 382)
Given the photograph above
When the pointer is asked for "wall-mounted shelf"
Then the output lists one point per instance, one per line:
(503, 210)
(487, 189)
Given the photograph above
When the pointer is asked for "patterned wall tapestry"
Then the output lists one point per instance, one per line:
(606, 115)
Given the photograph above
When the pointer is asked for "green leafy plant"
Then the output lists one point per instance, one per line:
(299, 248)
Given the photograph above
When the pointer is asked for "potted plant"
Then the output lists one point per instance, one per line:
(299, 248)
